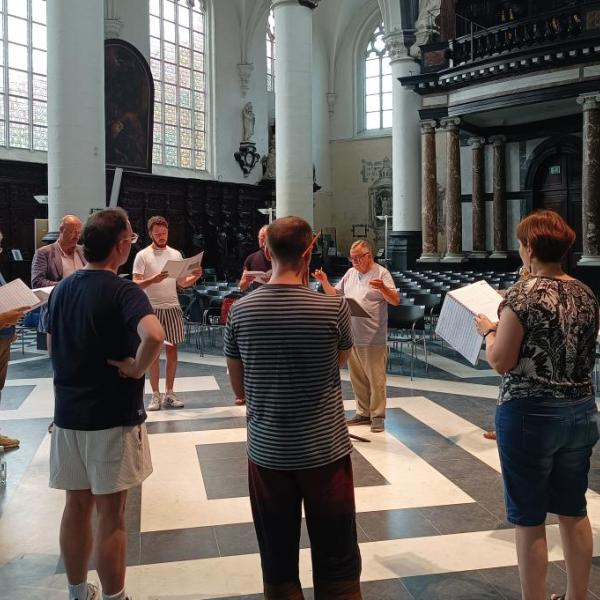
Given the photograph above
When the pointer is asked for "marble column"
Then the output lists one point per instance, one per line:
(76, 160)
(405, 240)
(293, 107)
(429, 193)
(479, 225)
(500, 208)
(590, 184)
(453, 193)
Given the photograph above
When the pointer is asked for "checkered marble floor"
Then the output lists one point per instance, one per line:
(429, 493)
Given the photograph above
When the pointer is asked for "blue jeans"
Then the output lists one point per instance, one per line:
(545, 451)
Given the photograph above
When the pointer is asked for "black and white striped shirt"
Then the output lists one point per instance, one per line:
(288, 338)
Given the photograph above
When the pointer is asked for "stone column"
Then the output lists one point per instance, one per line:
(76, 160)
(453, 193)
(479, 227)
(293, 107)
(590, 188)
(500, 209)
(429, 193)
(405, 240)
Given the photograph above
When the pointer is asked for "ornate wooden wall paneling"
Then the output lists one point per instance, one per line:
(19, 182)
(220, 218)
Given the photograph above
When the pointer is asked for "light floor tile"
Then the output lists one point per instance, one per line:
(174, 495)
(188, 384)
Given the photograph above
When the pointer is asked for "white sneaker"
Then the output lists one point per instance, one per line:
(155, 402)
(170, 401)
(93, 592)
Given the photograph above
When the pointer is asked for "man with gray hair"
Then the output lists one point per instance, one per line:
(52, 263)
(372, 286)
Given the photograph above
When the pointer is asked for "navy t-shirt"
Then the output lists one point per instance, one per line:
(93, 316)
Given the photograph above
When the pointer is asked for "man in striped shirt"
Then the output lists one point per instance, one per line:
(284, 344)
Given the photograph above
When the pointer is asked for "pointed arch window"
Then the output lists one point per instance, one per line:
(378, 82)
(177, 60)
(271, 52)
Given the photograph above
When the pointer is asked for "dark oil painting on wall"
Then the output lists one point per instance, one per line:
(129, 103)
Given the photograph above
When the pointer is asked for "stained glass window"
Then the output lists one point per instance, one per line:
(271, 53)
(378, 82)
(23, 86)
(177, 48)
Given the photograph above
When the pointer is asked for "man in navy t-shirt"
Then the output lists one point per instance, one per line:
(102, 337)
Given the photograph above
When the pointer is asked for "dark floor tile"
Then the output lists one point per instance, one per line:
(460, 518)
(133, 553)
(195, 425)
(364, 473)
(226, 487)
(208, 452)
(27, 570)
(236, 539)
(387, 589)
(394, 524)
(178, 544)
(506, 581)
(225, 467)
(469, 585)
(11, 397)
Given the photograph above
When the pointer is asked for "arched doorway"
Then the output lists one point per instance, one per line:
(555, 181)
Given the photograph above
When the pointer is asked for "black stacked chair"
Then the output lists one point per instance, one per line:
(405, 322)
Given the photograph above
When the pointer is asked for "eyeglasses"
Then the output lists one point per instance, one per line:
(133, 239)
(357, 258)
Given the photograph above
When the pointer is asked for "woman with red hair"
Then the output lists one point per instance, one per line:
(547, 419)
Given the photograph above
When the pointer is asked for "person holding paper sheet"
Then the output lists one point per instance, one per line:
(8, 320)
(372, 286)
(546, 419)
(257, 262)
(149, 274)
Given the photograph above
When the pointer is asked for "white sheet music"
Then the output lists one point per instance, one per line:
(182, 268)
(260, 276)
(456, 325)
(43, 294)
(16, 294)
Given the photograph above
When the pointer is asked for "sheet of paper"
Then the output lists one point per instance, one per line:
(260, 276)
(43, 294)
(16, 294)
(479, 298)
(183, 268)
(456, 326)
(356, 310)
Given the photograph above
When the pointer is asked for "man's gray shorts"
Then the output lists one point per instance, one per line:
(105, 461)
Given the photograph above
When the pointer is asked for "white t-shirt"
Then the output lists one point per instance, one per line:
(368, 331)
(151, 261)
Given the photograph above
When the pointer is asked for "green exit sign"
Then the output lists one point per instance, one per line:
(555, 170)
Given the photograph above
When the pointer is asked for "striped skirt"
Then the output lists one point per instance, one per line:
(171, 320)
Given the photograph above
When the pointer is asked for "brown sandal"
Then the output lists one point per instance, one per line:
(555, 597)
(490, 435)
(240, 401)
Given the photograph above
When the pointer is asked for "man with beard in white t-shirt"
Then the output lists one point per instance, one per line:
(149, 274)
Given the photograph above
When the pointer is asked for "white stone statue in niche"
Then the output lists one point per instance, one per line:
(248, 119)
(425, 26)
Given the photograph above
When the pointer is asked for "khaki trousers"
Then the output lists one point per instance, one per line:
(367, 374)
